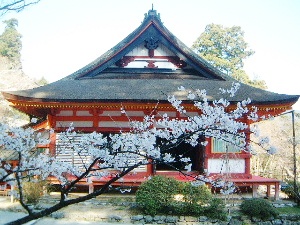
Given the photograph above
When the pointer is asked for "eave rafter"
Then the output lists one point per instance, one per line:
(46, 107)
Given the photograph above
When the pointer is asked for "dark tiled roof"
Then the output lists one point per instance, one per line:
(97, 82)
(92, 90)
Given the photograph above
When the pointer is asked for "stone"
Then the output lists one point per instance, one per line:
(222, 223)
(137, 217)
(163, 218)
(264, 223)
(190, 219)
(171, 219)
(213, 220)
(235, 222)
(115, 218)
(156, 218)
(255, 219)
(277, 222)
(181, 219)
(203, 218)
(57, 215)
(148, 219)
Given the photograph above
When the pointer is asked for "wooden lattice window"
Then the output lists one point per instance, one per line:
(221, 146)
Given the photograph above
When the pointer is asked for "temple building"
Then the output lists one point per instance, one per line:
(137, 75)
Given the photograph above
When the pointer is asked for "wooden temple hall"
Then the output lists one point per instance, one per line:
(132, 75)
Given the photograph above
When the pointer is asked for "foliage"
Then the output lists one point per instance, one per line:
(216, 209)
(289, 189)
(259, 208)
(156, 194)
(195, 194)
(10, 42)
(289, 210)
(279, 165)
(33, 191)
(212, 207)
(226, 49)
(15, 5)
(42, 81)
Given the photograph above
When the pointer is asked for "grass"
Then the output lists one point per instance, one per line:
(289, 210)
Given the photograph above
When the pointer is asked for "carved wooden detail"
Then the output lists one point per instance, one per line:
(150, 64)
(55, 111)
(176, 61)
(124, 61)
(151, 43)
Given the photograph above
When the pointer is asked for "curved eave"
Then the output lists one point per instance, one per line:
(42, 107)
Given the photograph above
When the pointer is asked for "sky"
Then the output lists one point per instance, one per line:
(62, 36)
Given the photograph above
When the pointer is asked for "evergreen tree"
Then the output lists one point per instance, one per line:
(226, 49)
(10, 42)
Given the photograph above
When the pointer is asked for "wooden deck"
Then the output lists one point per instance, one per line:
(135, 179)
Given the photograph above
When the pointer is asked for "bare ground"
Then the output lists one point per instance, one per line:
(104, 209)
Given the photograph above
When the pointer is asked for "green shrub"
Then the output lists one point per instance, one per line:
(33, 191)
(288, 189)
(156, 194)
(195, 194)
(259, 208)
(216, 209)
(186, 209)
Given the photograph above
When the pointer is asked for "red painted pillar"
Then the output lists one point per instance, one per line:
(254, 190)
(277, 191)
(268, 190)
(150, 169)
(52, 149)
(247, 166)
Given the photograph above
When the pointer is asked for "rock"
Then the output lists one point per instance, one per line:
(171, 219)
(57, 215)
(235, 222)
(148, 219)
(265, 223)
(190, 219)
(277, 222)
(137, 217)
(156, 218)
(255, 219)
(203, 218)
(114, 218)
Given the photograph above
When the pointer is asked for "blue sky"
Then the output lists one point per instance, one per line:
(61, 36)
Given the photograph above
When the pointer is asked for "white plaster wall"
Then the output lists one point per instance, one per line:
(220, 166)
(65, 113)
(115, 124)
(83, 113)
(75, 123)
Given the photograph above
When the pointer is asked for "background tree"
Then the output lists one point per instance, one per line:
(226, 49)
(10, 43)
(280, 165)
(15, 5)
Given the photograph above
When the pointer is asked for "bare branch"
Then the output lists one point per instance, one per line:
(15, 5)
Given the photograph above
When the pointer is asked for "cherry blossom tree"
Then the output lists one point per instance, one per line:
(124, 151)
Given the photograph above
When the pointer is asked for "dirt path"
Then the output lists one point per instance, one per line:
(95, 210)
